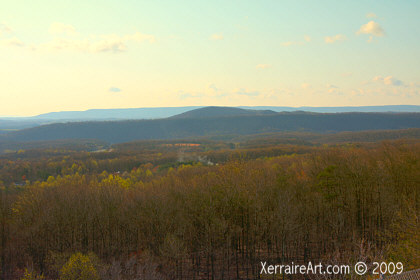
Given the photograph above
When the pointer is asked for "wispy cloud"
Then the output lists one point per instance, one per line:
(371, 28)
(12, 42)
(389, 81)
(4, 29)
(114, 89)
(186, 95)
(217, 37)
(212, 92)
(291, 43)
(8, 40)
(371, 15)
(306, 39)
(213, 87)
(306, 86)
(391, 86)
(107, 43)
(113, 45)
(247, 92)
(263, 66)
(336, 38)
(58, 28)
(140, 38)
(332, 88)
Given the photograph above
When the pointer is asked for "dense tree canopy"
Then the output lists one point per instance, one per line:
(147, 214)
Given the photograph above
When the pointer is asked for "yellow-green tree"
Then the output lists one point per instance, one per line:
(79, 267)
(31, 275)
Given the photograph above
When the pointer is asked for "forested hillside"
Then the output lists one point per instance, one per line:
(208, 209)
(213, 111)
(177, 128)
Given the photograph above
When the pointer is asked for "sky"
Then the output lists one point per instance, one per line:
(79, 55)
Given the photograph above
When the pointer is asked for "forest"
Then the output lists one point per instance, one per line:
(210, 209)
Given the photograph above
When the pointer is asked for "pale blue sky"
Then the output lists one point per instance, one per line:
(78, 55)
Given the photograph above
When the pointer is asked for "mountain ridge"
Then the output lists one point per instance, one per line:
(16, 123)
(216, 111)
(163, 112)
(176, 128)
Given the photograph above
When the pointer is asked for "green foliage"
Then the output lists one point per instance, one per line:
(79, 267)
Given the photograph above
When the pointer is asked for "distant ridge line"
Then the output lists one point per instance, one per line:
(164, 112)
(216, 124)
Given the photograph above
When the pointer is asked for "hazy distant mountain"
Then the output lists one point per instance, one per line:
(13, 123)
(19, 123)
(213, 111)
(175, 128)
(164, 112)
(118, 114)
(347, 109)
